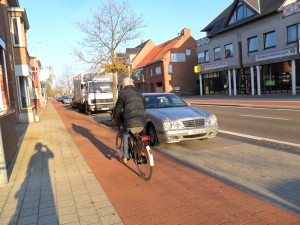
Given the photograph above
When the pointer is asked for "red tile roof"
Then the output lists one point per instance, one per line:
(158, 52)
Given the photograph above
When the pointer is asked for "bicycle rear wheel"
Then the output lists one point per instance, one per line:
(119, 145)
(145, 162)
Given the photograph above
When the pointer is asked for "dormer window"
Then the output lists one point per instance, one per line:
(241, 12)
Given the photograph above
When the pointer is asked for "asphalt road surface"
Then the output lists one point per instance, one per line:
(278, 124)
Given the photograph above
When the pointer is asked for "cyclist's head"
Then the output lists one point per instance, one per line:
(127, 81)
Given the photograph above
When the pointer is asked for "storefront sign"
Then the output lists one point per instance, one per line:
(197, 69)
(215, 66)
(277, 54)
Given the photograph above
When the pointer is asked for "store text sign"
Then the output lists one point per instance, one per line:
(277, 54)
(215, 66)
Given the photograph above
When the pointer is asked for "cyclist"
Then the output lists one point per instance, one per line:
(130, 110)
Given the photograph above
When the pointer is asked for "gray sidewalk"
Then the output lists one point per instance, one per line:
(282, 100)
(50, 182)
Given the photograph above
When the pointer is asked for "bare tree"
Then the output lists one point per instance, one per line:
(112, 26)
(68, 79)
(64, 85)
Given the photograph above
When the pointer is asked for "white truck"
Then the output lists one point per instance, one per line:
(93, 92)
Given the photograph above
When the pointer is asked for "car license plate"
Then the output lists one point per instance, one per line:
(197, 131)
(104, 108)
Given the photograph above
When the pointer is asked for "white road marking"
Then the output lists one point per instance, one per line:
(265, 117)
(248, 107)
(260, 138)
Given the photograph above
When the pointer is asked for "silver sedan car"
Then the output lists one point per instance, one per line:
(170, 119)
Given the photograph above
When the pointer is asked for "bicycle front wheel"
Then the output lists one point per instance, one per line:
(119, 145)
(145, 162)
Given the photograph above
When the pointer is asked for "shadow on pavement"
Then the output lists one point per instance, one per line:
(284, 190)
(36, 204)
(104, 149)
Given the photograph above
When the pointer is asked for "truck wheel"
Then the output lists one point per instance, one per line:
(86, 111)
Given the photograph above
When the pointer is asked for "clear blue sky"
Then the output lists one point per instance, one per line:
(52, 23)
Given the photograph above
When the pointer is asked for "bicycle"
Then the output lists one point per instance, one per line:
(139, 150)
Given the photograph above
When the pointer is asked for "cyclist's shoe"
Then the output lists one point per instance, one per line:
(124, 160)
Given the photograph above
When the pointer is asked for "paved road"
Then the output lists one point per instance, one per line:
(178, 193)
(277, 124)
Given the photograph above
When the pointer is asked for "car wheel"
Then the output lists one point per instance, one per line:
(151, 132)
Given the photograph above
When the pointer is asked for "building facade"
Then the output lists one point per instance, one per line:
(252, 47)
(8, 98)
(16, 78)
(24, 77)
(168, 67)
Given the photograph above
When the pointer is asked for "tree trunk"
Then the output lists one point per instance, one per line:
(114, 87)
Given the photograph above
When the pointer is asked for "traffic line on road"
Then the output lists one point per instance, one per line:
(268, 140)
(265, 117)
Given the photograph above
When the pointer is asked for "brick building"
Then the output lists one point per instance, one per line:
(16, 86)
(168, 67)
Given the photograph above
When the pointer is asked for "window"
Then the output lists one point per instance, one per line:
(151, 73)
(188, 51)
(217, 52)
(157, 70)
(228, 50)
(241, 12)
(270, 39)
(293, 33)
(252, 44)
(16, 31)
(203, 57)
(170, 68)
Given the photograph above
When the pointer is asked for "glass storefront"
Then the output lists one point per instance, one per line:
(274, 78)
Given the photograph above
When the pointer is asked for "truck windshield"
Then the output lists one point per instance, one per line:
(100, 87)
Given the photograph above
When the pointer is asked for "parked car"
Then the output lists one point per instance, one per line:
(66, 99)
(170, 119)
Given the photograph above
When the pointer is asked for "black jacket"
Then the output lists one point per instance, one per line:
(131, 105)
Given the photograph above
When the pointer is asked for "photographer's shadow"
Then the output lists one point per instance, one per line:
(104, 149)
(35, 196)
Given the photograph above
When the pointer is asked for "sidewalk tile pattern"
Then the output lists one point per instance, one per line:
(51, 183)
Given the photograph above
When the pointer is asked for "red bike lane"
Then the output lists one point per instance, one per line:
(177, 194)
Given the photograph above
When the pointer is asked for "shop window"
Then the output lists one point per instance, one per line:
(293, 33)
(270, 39)
(27, 91)
(16, 31)
(252, 44)
(157, 70)
(203, 57)
(228, 51)
(217, 53)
